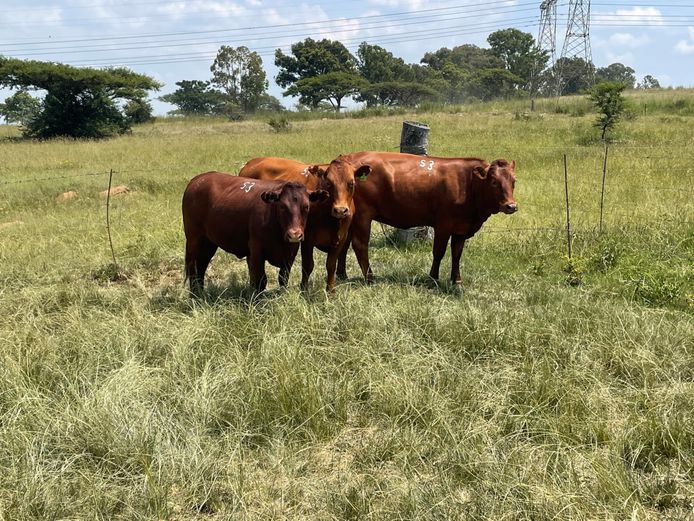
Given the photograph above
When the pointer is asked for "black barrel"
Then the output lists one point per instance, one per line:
(414, 138)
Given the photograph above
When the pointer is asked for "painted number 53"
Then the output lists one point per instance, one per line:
(429, 165)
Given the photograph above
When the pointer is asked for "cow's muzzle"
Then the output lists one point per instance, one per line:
(509, 208)
(295, 236)
(340, 212)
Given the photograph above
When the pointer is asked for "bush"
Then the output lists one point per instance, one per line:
(280, 124)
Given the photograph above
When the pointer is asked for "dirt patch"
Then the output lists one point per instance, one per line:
(66, 196)
(10, 224)
(116, 190)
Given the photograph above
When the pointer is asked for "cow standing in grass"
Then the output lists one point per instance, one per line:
(455, 196)
(259, 220)
(328, 222)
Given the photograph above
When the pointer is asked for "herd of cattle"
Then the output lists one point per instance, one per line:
(276, 205)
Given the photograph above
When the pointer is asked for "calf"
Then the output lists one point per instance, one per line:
(259, 220)
(453, 195)
(328, 223)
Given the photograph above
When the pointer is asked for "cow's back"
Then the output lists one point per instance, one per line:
(275, 168)
(406, 190)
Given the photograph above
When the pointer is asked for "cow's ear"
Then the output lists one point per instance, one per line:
(513, 165)
(269, 197)
(362, 172)
(316, 170)
(318, 196)
(480, 172)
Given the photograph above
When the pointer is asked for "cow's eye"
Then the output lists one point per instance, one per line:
(305, 208)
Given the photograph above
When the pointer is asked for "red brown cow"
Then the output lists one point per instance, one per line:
(328, 223)
(260, 220)
(454, 196)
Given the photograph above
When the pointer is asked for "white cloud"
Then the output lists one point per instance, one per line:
(684, 46)
(634, 16)
(627, 40)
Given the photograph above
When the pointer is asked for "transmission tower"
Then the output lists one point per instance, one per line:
(546, 41)
(577, 41)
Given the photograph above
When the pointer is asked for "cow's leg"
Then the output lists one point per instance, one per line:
(440, 243)
(256, 270)
(342, 257)
(331, 266)
(191, 272)
(198, 258)
(457, 243)
(360, 242)
(306, 263)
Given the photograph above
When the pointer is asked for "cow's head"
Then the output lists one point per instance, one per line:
(499, 179)
(340, 180)
(291, 201)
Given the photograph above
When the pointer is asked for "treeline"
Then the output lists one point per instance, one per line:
(322, 74)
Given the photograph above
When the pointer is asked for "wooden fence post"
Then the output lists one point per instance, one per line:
(108, 219)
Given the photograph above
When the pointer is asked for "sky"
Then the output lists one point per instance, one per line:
(174, 40)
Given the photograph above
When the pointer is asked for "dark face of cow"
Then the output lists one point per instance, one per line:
(291, 203)
(500, 179)
(340, 179)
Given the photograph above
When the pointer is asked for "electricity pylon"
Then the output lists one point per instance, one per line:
(577, 41)
(546, 41)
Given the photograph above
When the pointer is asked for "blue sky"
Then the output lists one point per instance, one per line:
(176, 40)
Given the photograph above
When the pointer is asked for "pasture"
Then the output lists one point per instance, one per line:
(547, 388)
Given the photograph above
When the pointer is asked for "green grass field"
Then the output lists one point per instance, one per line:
(546, 389)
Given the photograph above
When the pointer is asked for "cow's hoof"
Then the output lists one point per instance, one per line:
(341, 276)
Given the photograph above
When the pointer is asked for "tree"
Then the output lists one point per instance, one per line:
(332, 87)
(270, 103)
(607, 98)
(649, 82)
(576, 76)
(517, 50)
(468, 57)
(138, 111)
(239, 73)
(377, 65)
(79, 102)
(400, 93)
(20, 108)
(310, 59)
(617, 72)
(492, 83)
(195, 97)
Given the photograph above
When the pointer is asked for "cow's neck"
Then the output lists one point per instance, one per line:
(479, 206)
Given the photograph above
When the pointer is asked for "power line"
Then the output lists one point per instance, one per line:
(268, 51)
(356, 26)
(333, 20)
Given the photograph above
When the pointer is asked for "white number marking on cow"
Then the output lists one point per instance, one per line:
(304, 172)
(246, 187)
(429, 165)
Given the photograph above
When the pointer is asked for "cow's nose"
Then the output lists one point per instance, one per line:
(511, 208)
(295, 236)
(340, 211)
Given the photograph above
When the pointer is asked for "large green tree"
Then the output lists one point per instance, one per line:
(517, 50)
(79, 102)
(576, 76)
(400, 93)
(648, 82)
(20, 108)
(618, 73)
(311, 59)
(239, 73)
(379, 67)
(332, 87)
(195, 98)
